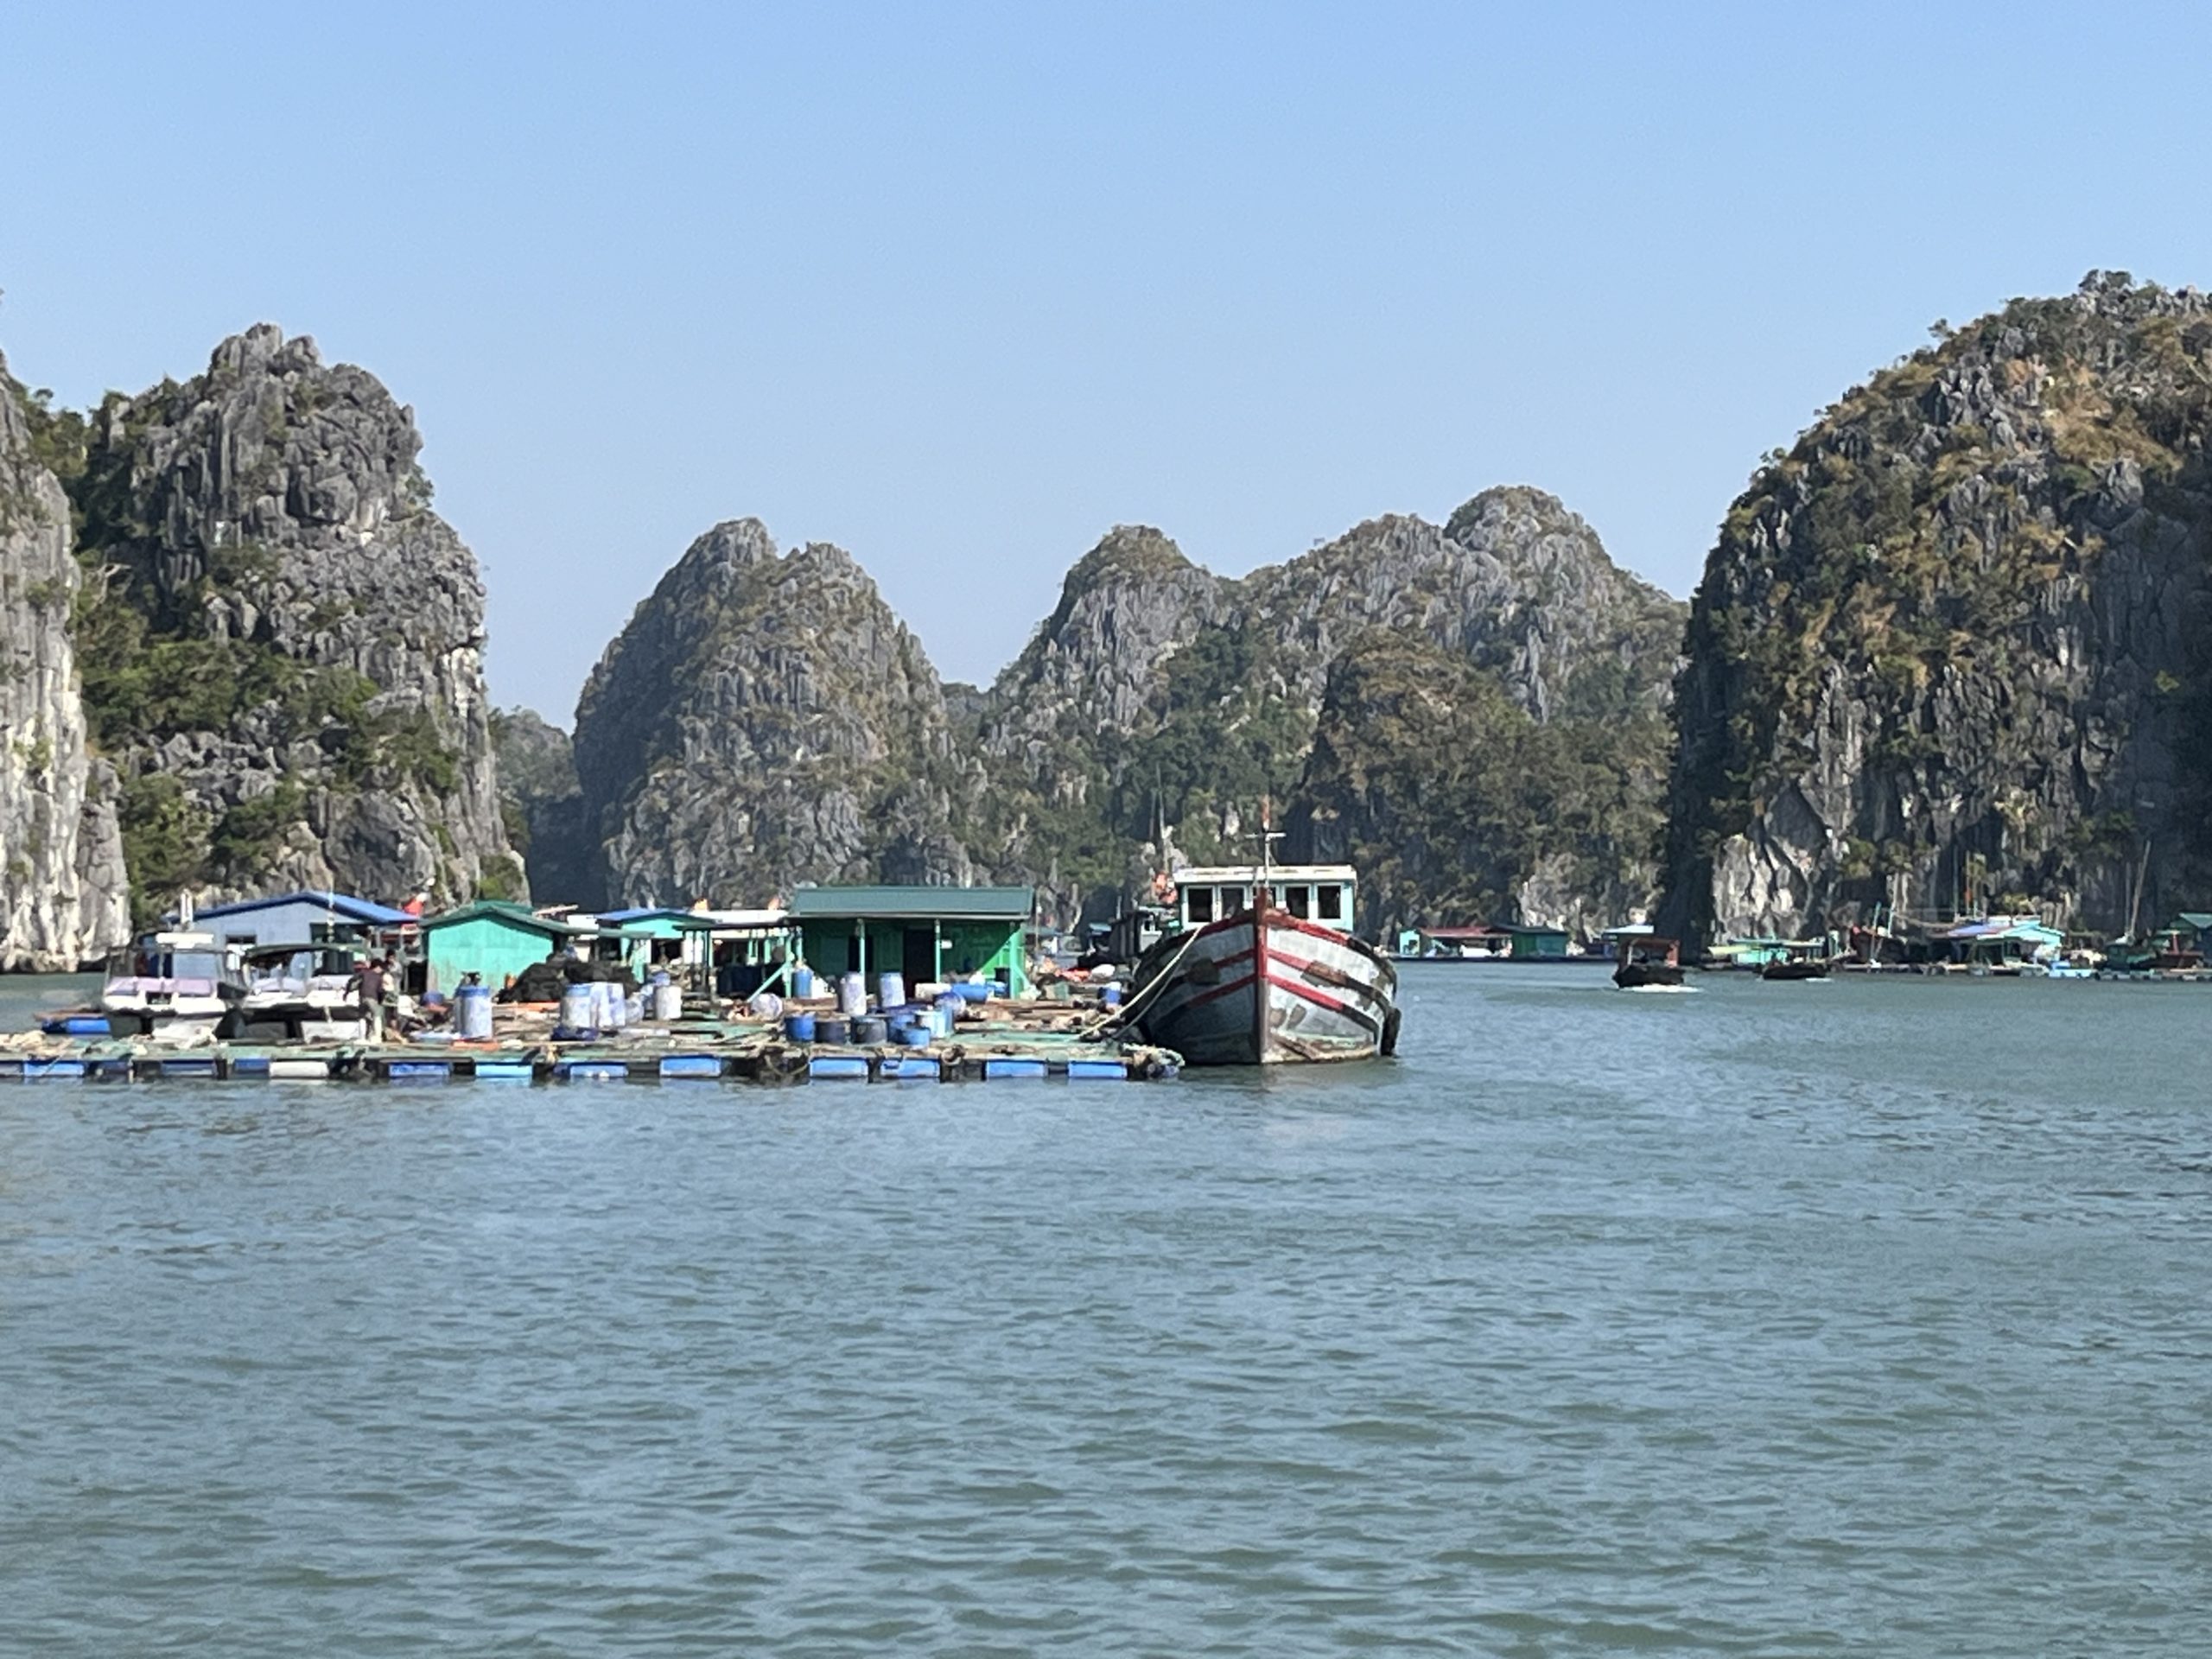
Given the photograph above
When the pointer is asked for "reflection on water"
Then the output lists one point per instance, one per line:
(1859, 1317)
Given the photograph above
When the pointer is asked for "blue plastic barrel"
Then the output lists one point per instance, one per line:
(833, 1028)
(974, 991)
(802, 982)
(800, 1028)
(915, 1036)
(472, 1012)
(870, 1028)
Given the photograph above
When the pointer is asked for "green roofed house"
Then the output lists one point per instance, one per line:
(923, 933)
(497, 938)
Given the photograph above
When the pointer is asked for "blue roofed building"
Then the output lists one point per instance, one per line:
(302, 918)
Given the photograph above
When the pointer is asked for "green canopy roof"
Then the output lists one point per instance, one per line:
(913, 904)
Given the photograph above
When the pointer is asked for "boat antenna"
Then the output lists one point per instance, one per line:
(1268, 838)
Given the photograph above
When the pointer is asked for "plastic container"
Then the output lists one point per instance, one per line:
(851, 993)
(764, 1005)
(1110, 996)
(916, 1036)
(971, 990)
(615, 1005)
(833, 1028)
(869, 1029)
(800, 1028)
(472, 1014)
(668, 1000)
(633, 1009)
(891, 989)
(579, 1009)
(802, 982)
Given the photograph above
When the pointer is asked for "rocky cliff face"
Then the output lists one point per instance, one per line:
(764, 720)
(63, 898)
(1159, 704)
(1949, 650)
(543, 805)
(281, 643)
(1456, 804)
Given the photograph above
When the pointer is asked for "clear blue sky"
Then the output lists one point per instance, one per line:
(958, 288)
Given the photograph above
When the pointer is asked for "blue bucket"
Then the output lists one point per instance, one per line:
(800, 1028)
(968, 991)
(916, 1036)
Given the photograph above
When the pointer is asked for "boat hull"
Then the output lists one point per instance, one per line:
(1270, 989)
(1638, 976)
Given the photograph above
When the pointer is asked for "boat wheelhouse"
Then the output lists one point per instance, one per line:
(1317, 893)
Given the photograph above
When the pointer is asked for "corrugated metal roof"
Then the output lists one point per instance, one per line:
(343, 903)
(1204, 874)
(507, 911)
(2198, 920)
(915, 904)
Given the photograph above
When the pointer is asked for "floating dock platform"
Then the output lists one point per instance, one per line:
(654, 1057)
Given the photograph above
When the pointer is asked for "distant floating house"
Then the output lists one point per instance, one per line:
(1484, 942)
(2192, 930)
(923, 933)
(302, 918)
(2000, 941)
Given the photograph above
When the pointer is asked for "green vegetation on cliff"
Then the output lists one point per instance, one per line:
(1940, 651)
(1453, 801)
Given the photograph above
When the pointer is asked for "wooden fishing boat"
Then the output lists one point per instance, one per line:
(1264, 970)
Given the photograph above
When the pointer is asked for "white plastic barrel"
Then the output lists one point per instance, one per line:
(892, 988)
(577, 1008)
(668, 1002)
(851, 993)
(472, 1010)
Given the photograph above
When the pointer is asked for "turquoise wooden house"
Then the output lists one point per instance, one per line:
(496, 939)
(924, 933)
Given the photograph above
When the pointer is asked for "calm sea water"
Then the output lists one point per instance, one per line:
(1868, 1317)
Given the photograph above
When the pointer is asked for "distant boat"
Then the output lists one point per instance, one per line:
(1647, 961)
(1264, 970)
(1797, 967)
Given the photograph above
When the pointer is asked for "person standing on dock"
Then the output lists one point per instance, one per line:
(368, 985)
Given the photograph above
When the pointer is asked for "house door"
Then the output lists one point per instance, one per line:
(918, 957)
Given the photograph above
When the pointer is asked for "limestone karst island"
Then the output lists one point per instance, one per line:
(1935, 707)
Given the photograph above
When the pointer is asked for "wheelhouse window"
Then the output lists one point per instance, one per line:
(1200, 902)
(1332, 902)
(1232, 901)
(1298, 901)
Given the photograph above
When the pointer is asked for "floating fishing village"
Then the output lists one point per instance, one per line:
(1241, 965)
(1251, 966)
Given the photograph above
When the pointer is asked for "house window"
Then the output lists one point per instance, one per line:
(1300, 900)
(1332, 903)
(1201, 904)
